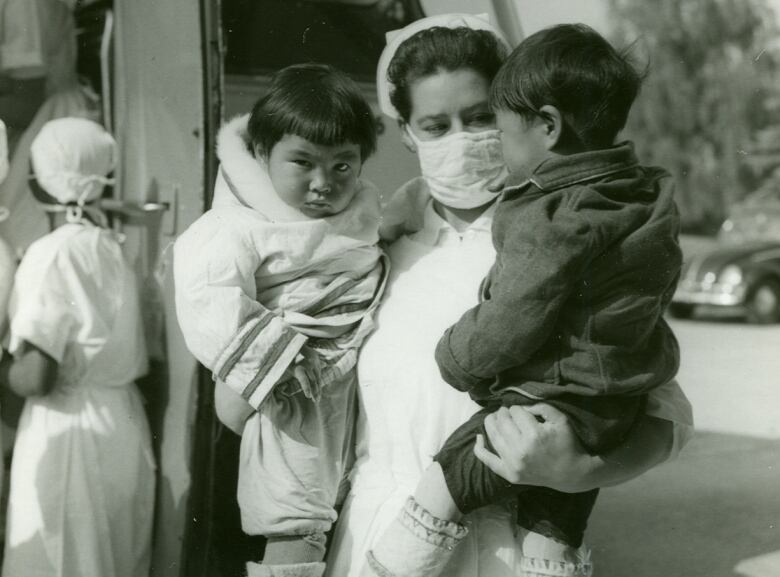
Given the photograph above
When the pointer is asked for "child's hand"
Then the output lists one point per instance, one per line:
(307, 372)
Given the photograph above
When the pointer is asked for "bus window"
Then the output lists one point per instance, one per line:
(270, 34)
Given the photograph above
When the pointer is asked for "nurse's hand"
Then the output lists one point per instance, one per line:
(535, 446)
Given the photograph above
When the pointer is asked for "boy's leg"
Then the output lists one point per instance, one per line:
(562, 516)
(416, 544)
(422, 539)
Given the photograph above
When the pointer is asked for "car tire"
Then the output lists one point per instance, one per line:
(681, 310)
(763, 302)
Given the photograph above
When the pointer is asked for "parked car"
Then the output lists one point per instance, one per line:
(742, 271)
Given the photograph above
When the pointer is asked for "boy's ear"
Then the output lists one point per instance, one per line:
(405, 138)
(553, 125)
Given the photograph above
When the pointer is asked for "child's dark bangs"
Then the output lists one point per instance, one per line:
(333, 121)
(319, 127)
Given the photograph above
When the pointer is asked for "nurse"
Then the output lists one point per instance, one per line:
(434, 77)
(82, 476)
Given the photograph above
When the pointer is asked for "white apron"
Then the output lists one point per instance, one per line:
(82, 476)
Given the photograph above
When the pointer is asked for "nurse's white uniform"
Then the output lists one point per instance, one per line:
(407, 411)
(82, 477)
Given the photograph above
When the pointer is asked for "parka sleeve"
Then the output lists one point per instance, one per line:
(542, 254)
(224, 326)
(43, 307)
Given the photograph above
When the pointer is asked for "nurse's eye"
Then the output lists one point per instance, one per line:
(482, 119)
(436, 129)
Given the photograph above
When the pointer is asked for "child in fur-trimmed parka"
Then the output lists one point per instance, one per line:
(275, 289)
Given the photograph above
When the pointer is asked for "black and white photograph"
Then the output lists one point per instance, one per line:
(390, 288)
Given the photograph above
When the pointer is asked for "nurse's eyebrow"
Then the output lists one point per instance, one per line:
(478, 107)
(433, 117)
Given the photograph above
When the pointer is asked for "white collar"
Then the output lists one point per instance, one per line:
(435, 227)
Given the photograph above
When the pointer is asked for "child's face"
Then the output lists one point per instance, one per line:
(318, 180)
(524, 141)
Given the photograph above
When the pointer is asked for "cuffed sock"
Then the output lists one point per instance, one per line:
(545, 557)
(416, 544)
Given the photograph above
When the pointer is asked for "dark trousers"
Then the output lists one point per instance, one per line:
(561, 516)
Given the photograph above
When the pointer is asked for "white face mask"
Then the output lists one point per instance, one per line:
(461, 168)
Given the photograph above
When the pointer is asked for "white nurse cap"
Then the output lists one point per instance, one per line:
(396, 37)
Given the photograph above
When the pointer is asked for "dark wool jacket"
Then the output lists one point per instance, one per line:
(587, 261)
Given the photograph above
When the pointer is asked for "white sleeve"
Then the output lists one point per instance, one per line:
(243, 343)
(668, 402)
(41, 311)
(7, 269)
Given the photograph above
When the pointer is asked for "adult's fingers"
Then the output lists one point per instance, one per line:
(547, 412)
(491, 460)
(517, 418)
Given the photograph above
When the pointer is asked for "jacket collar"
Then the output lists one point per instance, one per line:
(564, 171)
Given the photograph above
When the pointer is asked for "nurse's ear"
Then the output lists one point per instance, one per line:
(405, 138)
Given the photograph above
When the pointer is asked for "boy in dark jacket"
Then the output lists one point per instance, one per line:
(587, 262)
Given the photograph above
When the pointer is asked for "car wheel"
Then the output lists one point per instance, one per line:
(681, 310)
(763, 303)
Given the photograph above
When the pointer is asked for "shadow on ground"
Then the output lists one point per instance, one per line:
(718, 504)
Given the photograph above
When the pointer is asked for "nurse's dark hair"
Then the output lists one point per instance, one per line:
(316, 102)
(441, 49)
(571, 67)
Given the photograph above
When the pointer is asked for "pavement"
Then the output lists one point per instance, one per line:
(715, 511)
(716, 507)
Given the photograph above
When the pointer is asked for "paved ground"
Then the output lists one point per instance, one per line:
(718, 506)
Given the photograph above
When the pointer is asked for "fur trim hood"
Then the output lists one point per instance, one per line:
(251, 184)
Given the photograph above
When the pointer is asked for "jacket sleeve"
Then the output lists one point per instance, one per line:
(243, 343)
(542, 255)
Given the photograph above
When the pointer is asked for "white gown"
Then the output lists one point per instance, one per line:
(82, 476)
(407, 411)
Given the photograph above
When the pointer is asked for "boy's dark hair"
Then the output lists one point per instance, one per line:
(441, 48)
(575, 69)
(316, 102)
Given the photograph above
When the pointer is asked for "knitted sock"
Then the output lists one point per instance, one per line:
(546, 557)
(416, 544)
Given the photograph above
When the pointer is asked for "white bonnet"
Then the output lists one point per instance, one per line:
(71, 158)
(396, 37)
